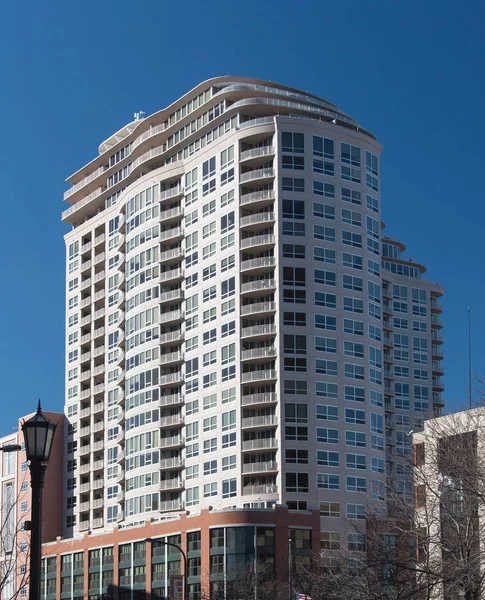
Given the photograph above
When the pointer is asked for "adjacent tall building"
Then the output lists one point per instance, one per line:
(239, 334)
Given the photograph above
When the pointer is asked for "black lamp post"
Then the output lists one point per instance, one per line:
(186, 573)
(38, 435)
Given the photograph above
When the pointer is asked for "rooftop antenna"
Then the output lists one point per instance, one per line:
(469, 359)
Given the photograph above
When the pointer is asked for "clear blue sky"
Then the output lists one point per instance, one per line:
(72, 73)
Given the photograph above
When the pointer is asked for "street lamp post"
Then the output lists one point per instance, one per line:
(38, 435)
(186, 573)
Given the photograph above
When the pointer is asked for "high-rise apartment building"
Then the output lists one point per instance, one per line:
(236, 329)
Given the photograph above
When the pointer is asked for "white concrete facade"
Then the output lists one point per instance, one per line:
(225, 339)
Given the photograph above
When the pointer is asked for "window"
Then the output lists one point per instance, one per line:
(355, 438)
(326, 458)
(321, 188)
(296, 482)
(323, 147)
(324, 211)
(355, 461)
(354, 415)
(354, 394)
(326, 367)
(371, 171)
(210, 489)
(356, 484)
(293, 251)
(322, 232)
(351, 196)
(296, 413)
(352, 261)
(353, 327)
(293, 209)
(353, 305)
(353, 371)
(295, 387)
(229, 462)
(329, 509)
(355, 511)
(295, 319)
(351, 217)
(325, 277)
(327, 436)
(351, 239)
(227, 222)
(296, 456)
(324, 255)
(326, 481)
(325, 299)
(292, 142)
(349, 282)
(330, 540)
(324, 344)
(229, 488)
(356, 542)
(326, 390)
(327, 412)
(293, 184)
(353, 349)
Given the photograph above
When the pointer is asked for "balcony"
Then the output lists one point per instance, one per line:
(258, 200)
(257, 176)
(86, 302)
(169, 256)
(170, 400)
(85, 412)
(85, 339)
(258, 308)
(171, 215)
(98, 406)
(85, 357)
(260, 467)
(98, 445)
(258, 265)
(84, 450)
(98, 502)
(84, 469)
(171, 379)
(170, 337)
(251, 490)
(171, 316)
(171, 442)
(259, 444)
(83, 526)
(438, 368)
(84, 487)
(437, 353)
(260, 376)
(171, 505)
(85, 375)
(255, 400)
(99, 370)
(99, 332)
(120, 496)
(85, 266)
(258, 354)
(259, 422)
(436, 337)
(84, 506)
(171, 421)
(99, 258)
(436, 322)
(438, 384)
(171, 463)
(98, 522)
(166, 485)
(98, 465)
(257, 221)
(258, 286)
(258, 332)
(171, 358)
(436, 307)
(171, 276)
(99, 351)
(255, 154)
(84, 431)
(172, 234)
(258, 242)
(99, 295)
(171, 194)
(171, 296)
(85, 284)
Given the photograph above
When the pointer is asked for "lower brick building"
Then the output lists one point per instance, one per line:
(138, 562)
